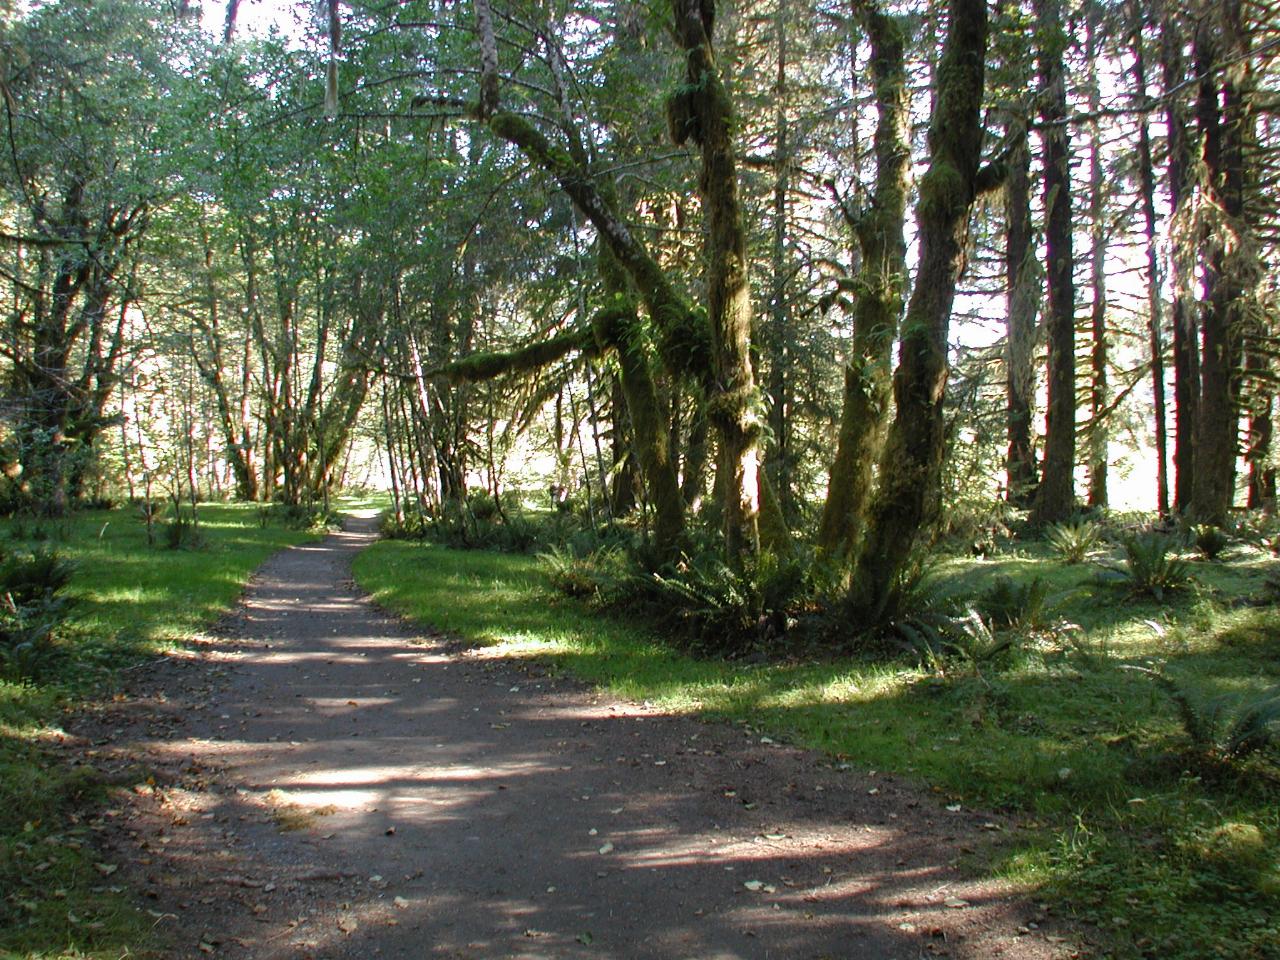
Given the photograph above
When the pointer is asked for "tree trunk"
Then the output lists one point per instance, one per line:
(1226, 121)
(1055, 497)
(778, 463)
(1155, 320)
(1262, 470)
(1099, 394)
(707, 112)
(1186, 356)
(911, 464)
(619, 328)
(1022, 294)
(878, 307)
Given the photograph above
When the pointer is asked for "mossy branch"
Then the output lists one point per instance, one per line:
(490, 364)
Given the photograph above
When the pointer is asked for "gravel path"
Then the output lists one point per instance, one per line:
(330, 783)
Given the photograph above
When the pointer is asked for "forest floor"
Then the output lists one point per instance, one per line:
(317, 779)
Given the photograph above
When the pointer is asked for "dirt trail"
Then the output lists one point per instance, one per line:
(332, 784)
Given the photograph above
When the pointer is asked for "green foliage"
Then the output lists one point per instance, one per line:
(1224, 728)
(1020, 605)
(1151, 566)
(715, 605)
(1074, 540)
(599, 575)
(303, 516)
(1210, 540)
(183, 531)
(916, 611)
(32, 607)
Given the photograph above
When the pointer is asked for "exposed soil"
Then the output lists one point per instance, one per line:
(329, 783)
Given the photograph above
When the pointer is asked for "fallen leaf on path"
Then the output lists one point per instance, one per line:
(348, 925)
(401, 903)
(955, 903)
(754, 885)
(607, 848)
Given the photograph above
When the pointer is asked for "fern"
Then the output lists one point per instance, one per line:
(31, 610)
(1226, 728)
(1074, 540)
(1007, 603)
(1211, 541)
(1151, 567)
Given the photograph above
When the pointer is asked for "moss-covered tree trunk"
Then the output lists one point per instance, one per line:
(778, 463)
(702, 110)
(618, 327)
(1055, 497)
(911, 464)
(880, 288)
(1262, 469)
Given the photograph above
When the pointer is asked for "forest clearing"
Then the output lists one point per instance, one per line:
(865, 407)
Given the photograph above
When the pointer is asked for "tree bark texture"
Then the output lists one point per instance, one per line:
(1226, 120)
(1184, 314)
(1055, 497)
(879, 292)
(1099, 393)
(704, 106)
(911, 464)
(1155, 313)
(1022, 296)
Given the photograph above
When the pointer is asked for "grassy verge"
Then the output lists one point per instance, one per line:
(1164, 856)
(130, 600)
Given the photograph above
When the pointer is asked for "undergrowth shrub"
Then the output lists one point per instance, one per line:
(710, 607)
(1223, 729)
(305, 516)
(599, 575)
(1020, 606)
(32, 607)
(183, 532)
(1211, 541)
(1074, 540)
(1151, 566)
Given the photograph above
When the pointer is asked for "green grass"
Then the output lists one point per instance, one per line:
(131, 600)
(1161, 856)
